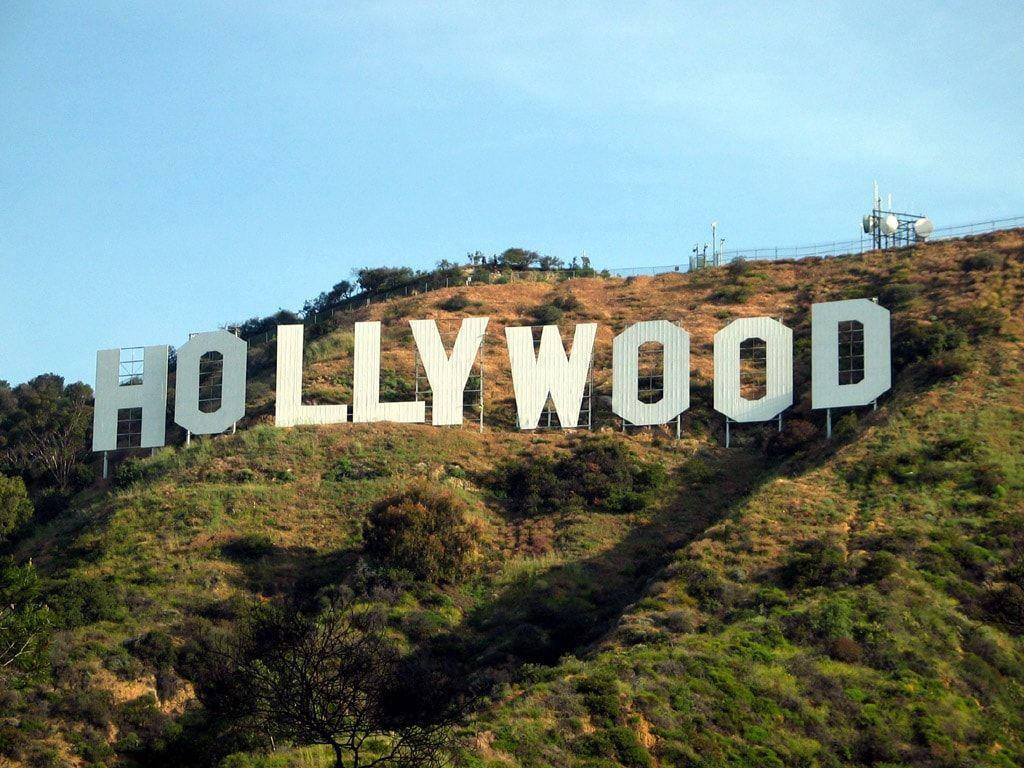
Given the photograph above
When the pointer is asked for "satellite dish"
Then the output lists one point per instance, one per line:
(923, 227)
(890, 224)
(869, 224)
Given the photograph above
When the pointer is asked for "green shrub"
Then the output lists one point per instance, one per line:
(599, 472)
(738, 267)
(845, 426)
(879, 565)
(704, 584)
(600, 694)
(897, 295)
(80, 600)
(977, 321)
(91, 705)
(628, 749)
(141, 724)
(547, 314)
(131, 471)
(985, 260)
(921, 341)
(454, 303)
(25, 621)
(567, 302)
(15, 507)
(422, 530)
(732, 294)
(815, 563)
(845, 649)
(155, 648)
(528, 486)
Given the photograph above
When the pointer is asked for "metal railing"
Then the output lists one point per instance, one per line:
(825, 250)
(438, 280)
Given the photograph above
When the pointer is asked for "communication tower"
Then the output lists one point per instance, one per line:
(701, 259)
(892, 229)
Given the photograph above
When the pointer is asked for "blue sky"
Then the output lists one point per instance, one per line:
(169, 167)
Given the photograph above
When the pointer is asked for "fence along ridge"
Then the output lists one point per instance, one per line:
(768, 253)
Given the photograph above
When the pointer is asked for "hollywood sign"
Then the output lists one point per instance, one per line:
(538, 372)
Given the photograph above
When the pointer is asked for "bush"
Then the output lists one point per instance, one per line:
(141, 724)
(845, 649)
(985, 260)
(422, 530)
(922, 341)
(15, 507)
(529, 486)
(796, 435)
(738, 267)
(454, 303)
(547, 314)
(628, 749)
(599, 472)
(601, 698)
(978, 322)
(91, 705)
(80, 600)
(732, 294)
(567, 302)
(815, 563)
(131, 471)
(896, 295)
(606, 475)
(155, 648)
(880, 565)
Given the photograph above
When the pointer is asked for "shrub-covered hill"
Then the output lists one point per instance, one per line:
(635, 599)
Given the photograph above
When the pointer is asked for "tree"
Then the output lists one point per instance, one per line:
(337, 679)
(25, 623)
(44, 433)
(449, 271)
(372, 279)
(327, 299)
(518, 258)
(15, 507)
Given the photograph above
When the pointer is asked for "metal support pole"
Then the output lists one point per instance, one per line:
(828, 423)
(727, 437)
(679, 425)
(106, 467)
(188, 438)
(780, 421)
(590, 400)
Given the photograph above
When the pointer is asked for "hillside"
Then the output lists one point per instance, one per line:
(788, 601)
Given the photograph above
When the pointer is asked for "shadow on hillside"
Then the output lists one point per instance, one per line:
(566, 609)
(291, 573)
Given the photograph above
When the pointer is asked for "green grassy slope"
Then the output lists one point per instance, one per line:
(790, 602)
